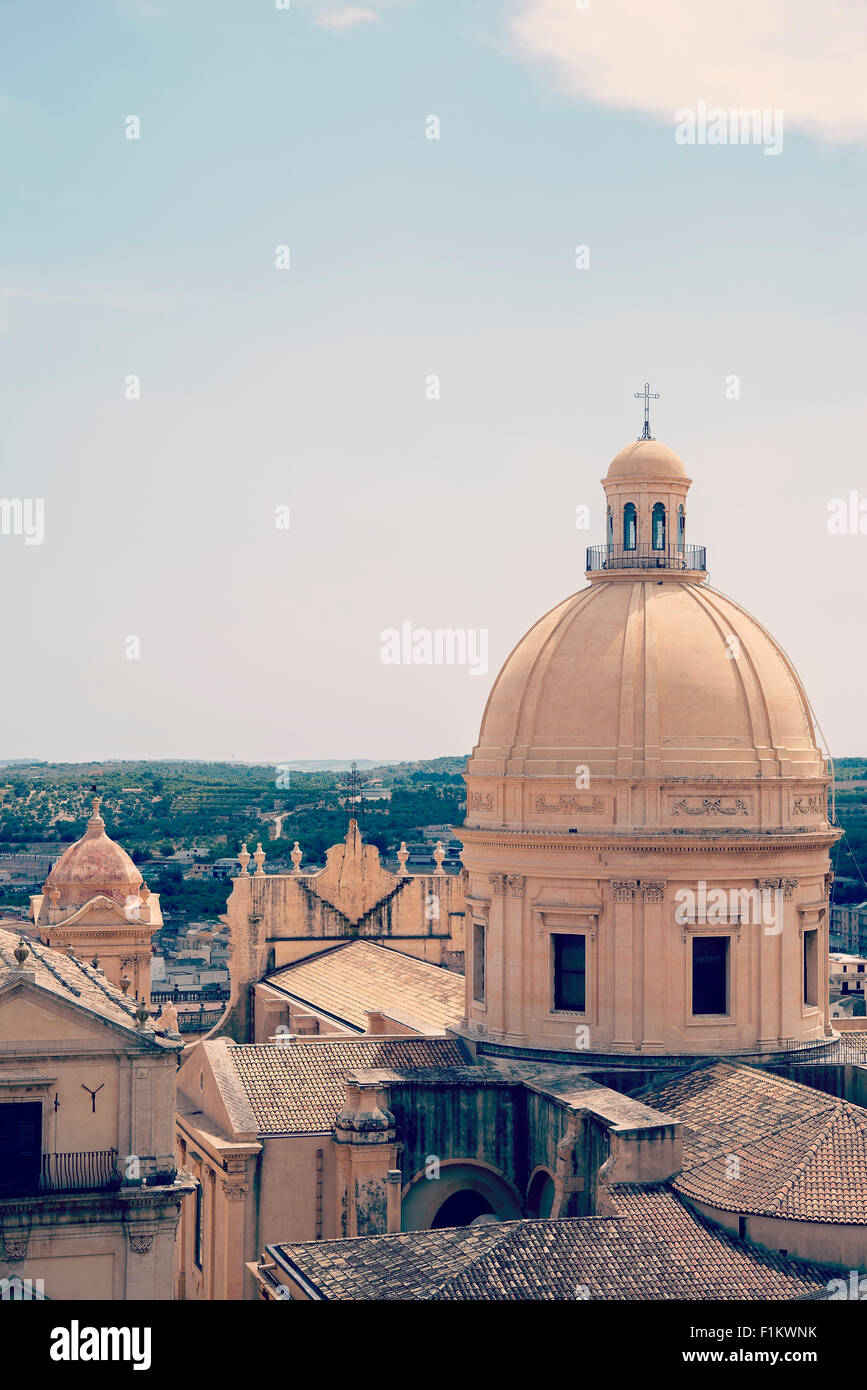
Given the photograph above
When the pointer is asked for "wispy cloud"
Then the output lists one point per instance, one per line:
(804, 57)
(346, 18)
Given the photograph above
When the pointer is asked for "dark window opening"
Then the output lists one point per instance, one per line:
(710, 974)
(630, 529)
(20, 1146)
(658, 527)
(570, 974)
(681, 528)
(199, 1241)
(811, 972)
(478, 962)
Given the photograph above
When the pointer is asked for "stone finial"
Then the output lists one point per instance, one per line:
(244, 857)
(144, 893)
(296, 857)
(259, 860)
(54, 896)
(71, 953)
(21, 952)
(95, 962)
(402, 856)
(141, 1014)
(439, 855)
(125, 982)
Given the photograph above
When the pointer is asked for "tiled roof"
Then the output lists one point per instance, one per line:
(299, 1087)
(761, 1144)
(655, 1249)
(73, 980)
(359, 976)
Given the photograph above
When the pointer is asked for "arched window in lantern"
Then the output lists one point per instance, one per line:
(681, 529)
(658, 526)
(630, 534)
(610, 529)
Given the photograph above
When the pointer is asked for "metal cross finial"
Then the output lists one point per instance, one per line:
(648, 396)
(353, 785)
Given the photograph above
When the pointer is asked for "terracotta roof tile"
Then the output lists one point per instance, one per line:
(299, 1087)
(762, 1144)
(655, 1249)
(359, 976)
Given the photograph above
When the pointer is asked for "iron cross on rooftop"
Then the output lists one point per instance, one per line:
(648, 397)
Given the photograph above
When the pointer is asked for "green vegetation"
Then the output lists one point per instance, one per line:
(156, 809)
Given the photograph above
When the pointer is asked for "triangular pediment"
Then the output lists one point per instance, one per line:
(353, 881)
(32, 1013)
(98, 910)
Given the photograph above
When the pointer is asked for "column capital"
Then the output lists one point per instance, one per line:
(624, 889)
(653, 889)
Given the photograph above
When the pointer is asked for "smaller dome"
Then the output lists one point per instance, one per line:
(94, 864)
(647, 458)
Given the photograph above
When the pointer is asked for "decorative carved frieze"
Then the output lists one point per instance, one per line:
(812, 805)
(568, 805)
(624, 889)
(711, 806)
(497, 882)
(516, 884)
(481, 801)
(141, 1244)
(653, 890)
(15, 1249)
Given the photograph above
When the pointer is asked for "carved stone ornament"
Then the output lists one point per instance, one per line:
(15, 1249)
(786, 886)
(234, 1192)
(140, 1244)
(481, 801)
(710, 806)
(624, 889)
(568, 805)
(516, 885)
(808, 805)
(497, 882)
(653, 890)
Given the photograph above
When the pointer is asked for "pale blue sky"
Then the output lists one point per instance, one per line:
(306, 387)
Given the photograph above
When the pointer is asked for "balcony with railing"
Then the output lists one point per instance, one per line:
(27, 1175)
(23, 1174)
(646, 557)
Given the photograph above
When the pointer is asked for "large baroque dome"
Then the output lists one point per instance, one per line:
(635, 678)
(647, 834)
